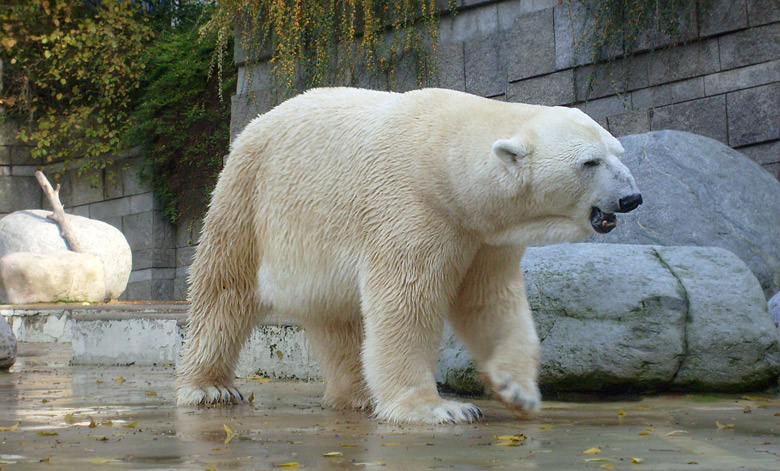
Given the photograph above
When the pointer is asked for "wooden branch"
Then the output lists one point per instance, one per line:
(59, 216)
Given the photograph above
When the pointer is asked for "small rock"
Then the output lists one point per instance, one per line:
(7, 345)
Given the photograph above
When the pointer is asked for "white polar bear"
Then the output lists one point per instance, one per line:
(372, 217)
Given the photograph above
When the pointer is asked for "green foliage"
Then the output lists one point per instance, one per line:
(324, 42)
(183, 119)
(70, 73)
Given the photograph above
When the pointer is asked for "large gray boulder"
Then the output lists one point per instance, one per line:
(7, 345)
(698, 191)
(774, 310)
(638, 318)
(32, 231)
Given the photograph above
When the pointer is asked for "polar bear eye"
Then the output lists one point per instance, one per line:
(591, 163)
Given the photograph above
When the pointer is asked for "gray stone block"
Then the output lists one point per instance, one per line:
(632, 122)
(185, 255)
(180, 289)
(17, 193)
(721, 16)
(188, 232)
(761, 12)
(750, 46)
(529, 46)
(767, 153)
(82, 211)
(24, 170)
(650, 38)
(148, 230)
(139, 290)
(131, 183)
(110, 209)
(162, 290)
(84, 189)
(745, 77)
(668, 94)
(141, 203)
(112, 181)
(5, 170)
(573, 37)
(5, 155)
(450, 66)
(468, 25)
(754, 115)
(705, 116)
(552, 89)
(602, 108)
(484, 65)
(7, 345)
(245, 108)
(773, 169)
(8, 131)
(615, 77)
(21, 155)
(254, 77)
(154, 258)
(690, 60)
(508, 11)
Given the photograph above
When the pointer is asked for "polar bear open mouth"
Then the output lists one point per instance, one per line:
(602, 222)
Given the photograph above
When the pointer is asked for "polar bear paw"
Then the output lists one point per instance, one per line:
(526, 398)
(207, 395)
(436, 412)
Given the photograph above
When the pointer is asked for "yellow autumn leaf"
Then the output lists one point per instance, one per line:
(92, 423)
(8, 43)
(607, 466)
(120, 379)
(391, 444)
(47, 54)
(545, 426)
(229, 434)
(119, 434)
(508, 443)
(69, 419)
(151, 393)
(251, 398)
(291, 464)
(332, 454)
(258, 378)
(48, 434)
(347, 445)
(100, 461)
(644, 433)
(777, 414)
(591, 451)
(637, 460)
(693, 462)
(593, 460)
(131, 424)
(720, 425)
(211, 469)
(621, 412)
(12, 428)
(107, 422)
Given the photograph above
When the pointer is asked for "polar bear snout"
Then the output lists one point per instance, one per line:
(629, 203)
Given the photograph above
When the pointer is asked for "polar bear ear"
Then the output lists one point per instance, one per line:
(511, 151)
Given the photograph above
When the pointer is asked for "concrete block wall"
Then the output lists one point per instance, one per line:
(720, 79)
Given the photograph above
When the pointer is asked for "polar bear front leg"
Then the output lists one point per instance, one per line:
(492, 317)
(403, 319)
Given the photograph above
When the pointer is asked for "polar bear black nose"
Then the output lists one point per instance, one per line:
(629, 203)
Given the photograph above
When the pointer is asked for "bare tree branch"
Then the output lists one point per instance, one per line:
(59, 216)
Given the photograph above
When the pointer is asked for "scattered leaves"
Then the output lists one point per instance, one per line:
(511, 440)
(258, 378)
(291, 464)
(591, 451)
(131, 425)
(48, 434)
(721, 426)
(12, 428)
(637, 460)
(332, 454)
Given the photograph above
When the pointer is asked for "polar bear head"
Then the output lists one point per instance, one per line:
(568, 173)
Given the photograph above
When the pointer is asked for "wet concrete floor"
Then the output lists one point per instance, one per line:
(56, 416)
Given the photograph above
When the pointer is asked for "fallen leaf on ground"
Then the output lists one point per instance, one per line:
(332, 454)
(676, 433)
(120, 379)
(131, 424)
(347, 445)
(12, 428)
(621, 412)
(100, 461)
(777, 414)
(756, 398)
(7, 462)
(607, 466)
(98, 437)
(693, 462)
(251, 398)
(720, 425)
(591, 460)
(45, 460)
(545, 426)
(229, 434)
(291, 464)
(69, 419)
(390, 444)
(637, 460)
(151, 393)
(107, 422)
(258, 378)
(48, 434)
(92, 423)
(591, 451)
(118, 434)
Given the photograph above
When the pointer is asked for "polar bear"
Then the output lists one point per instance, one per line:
(372, 217)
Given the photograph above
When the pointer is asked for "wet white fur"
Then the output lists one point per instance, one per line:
(374, 216)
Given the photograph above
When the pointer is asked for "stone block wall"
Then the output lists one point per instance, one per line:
(720, 79)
